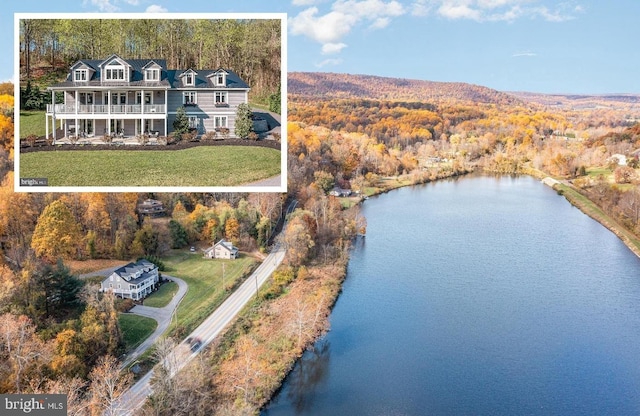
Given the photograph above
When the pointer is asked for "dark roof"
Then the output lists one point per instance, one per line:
(168, 78)
(203, 80)
(128, 269)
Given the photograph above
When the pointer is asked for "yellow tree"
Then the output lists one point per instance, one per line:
(57, 234)
(232, 230)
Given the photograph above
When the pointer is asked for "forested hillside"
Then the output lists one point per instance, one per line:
(330, 85)
(362, 134)
(251, 48)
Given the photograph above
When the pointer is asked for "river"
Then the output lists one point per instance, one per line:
(477, 296)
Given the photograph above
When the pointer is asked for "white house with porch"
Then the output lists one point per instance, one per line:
(133, 280)
(128, 97)
(223, 249)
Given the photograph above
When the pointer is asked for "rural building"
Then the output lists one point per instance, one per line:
(133, 280)
(129, 97)
(151, 207)
(223, 249)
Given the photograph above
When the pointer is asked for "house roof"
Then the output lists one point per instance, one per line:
(169, 78)
(227, 245)
(127, 271)
(203, 78)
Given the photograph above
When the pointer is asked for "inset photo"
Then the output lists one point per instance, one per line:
(146, 103)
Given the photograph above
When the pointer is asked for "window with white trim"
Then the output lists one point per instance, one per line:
(152, 75)
(147, 97)
(194, 122)
(189, 98)
(220, 79)
(189, 79)
(80, 75)
(221, 98)
(114, 73)
(220, 121)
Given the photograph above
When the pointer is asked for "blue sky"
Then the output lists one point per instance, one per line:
(573, 46)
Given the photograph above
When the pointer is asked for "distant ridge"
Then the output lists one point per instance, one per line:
(333, 85)
(581, 101)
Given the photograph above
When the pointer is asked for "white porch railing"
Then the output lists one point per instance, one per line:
(105, 109)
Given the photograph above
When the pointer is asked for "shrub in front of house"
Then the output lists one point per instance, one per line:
(142, 139)
(31, 140)
(224, 133)
(210, 136)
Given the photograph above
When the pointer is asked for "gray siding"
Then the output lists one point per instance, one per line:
(206, 109)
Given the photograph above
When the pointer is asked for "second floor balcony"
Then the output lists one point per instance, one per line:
(107, 109)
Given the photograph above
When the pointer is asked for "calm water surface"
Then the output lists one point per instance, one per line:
(481, 296)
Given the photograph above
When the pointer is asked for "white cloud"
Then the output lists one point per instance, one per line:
(421, 8)
(324, 29)
(453, 11)
(498, 10)
(380, 23)
(523, 53)
(331, 61)
(155, 8)
(330, 28)
(132, 2)
(102, 5)
(331, 48)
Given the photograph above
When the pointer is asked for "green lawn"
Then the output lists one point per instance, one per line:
(204, 277)
(135, 329)
(597, 171)
(198, 166)
(162, 296)
(32, 122)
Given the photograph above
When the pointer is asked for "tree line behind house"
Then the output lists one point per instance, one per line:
(251, 48)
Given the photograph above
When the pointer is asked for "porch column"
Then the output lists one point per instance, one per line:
(53, 116)
(77, 130)
(142, 104)
(46, 128)
(166, 113)
(77, 102)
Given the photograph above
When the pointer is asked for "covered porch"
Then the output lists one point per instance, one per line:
(110, 130)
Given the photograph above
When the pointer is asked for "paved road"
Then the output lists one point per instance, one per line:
(135, 397)
(161, 315)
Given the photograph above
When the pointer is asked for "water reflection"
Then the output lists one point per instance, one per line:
(310, 373)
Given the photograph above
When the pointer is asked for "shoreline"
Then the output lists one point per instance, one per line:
(562, 189)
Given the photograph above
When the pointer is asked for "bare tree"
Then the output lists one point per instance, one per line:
(107, 385)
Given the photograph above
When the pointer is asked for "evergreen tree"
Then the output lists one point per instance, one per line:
(244, 124)
(181, 123)
(275, 102)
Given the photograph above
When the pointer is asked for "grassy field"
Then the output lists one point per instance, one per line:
(204, 277)
(135, 329)
(32, 122)
(161, 297)
(198, 166)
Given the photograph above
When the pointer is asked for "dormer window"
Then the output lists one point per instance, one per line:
(114, 73)
(220, 79)
(189, 79)
(80, 75)
(152, 75)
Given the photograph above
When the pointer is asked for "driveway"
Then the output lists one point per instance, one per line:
(161, 315)
(273, 181)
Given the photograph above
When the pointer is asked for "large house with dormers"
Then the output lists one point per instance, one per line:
(133, 280)
(129, 97)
